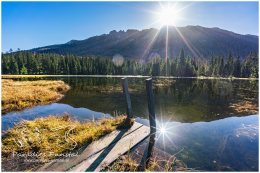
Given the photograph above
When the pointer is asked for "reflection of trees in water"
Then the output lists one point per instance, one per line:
(186, 100)
(209, 91)
(194, 99)
(84, 84)
(221, 92)
(104, 95)
(183, 90)
(245, 99)
(100, 84)
(206, 91)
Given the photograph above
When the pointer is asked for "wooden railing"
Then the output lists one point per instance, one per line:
(150, 101)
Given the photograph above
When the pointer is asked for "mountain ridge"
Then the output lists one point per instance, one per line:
(197, 41)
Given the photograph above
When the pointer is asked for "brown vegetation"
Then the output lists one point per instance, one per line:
(245, 107)
(129, 164)
(51, 136)
(17, 95)
(159, 161)
(163, 82)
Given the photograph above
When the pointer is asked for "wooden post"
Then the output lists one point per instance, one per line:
(127, 97)
(147, 153)
(150, 100)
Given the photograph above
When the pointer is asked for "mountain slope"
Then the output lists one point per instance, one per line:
(197, 41)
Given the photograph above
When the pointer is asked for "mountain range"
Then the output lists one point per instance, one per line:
(197, 41)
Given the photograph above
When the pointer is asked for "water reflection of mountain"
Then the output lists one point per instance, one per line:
(229, 144)
(186, 100)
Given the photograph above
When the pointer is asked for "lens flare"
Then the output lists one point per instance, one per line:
(118, 60)
(162, 130)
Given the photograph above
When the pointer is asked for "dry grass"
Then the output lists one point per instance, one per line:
(159, 161)
(115, 88)
(56, 135)
(123, 164)
(6, 76)
(163, 82)
(17, 95)
(245, 107)
(129, 164)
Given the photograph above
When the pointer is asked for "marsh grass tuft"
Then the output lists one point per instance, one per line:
(159, 161)
(127, 163)
(244, 107)
(56, 135)
(17, 95)
(123, 164)
(164, 82)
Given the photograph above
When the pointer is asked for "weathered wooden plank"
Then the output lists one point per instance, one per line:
(112, 152)
(91, 150)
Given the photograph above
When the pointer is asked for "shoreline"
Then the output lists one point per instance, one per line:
(129, 76)
(51, 130)
(18, 95)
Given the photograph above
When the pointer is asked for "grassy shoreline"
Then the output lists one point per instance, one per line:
(120, 76)
(17, 95)
(52, 137)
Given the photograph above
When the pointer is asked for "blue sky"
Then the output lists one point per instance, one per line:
(28, 25)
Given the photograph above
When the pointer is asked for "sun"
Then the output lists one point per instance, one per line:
(167, 16)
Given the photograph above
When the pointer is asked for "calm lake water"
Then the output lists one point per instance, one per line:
(211, 124)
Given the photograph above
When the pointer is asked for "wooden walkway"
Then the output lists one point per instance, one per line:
(106, 150)
(103, 152)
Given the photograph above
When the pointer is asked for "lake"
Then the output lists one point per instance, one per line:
(211, 123)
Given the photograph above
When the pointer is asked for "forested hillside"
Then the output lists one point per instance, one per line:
(47, 63)
(197, 41)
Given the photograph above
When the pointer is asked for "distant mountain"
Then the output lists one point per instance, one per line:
(197, 41)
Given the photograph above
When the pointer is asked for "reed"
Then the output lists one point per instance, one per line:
(17, 95)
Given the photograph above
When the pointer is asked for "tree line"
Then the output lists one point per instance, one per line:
(24, 62)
